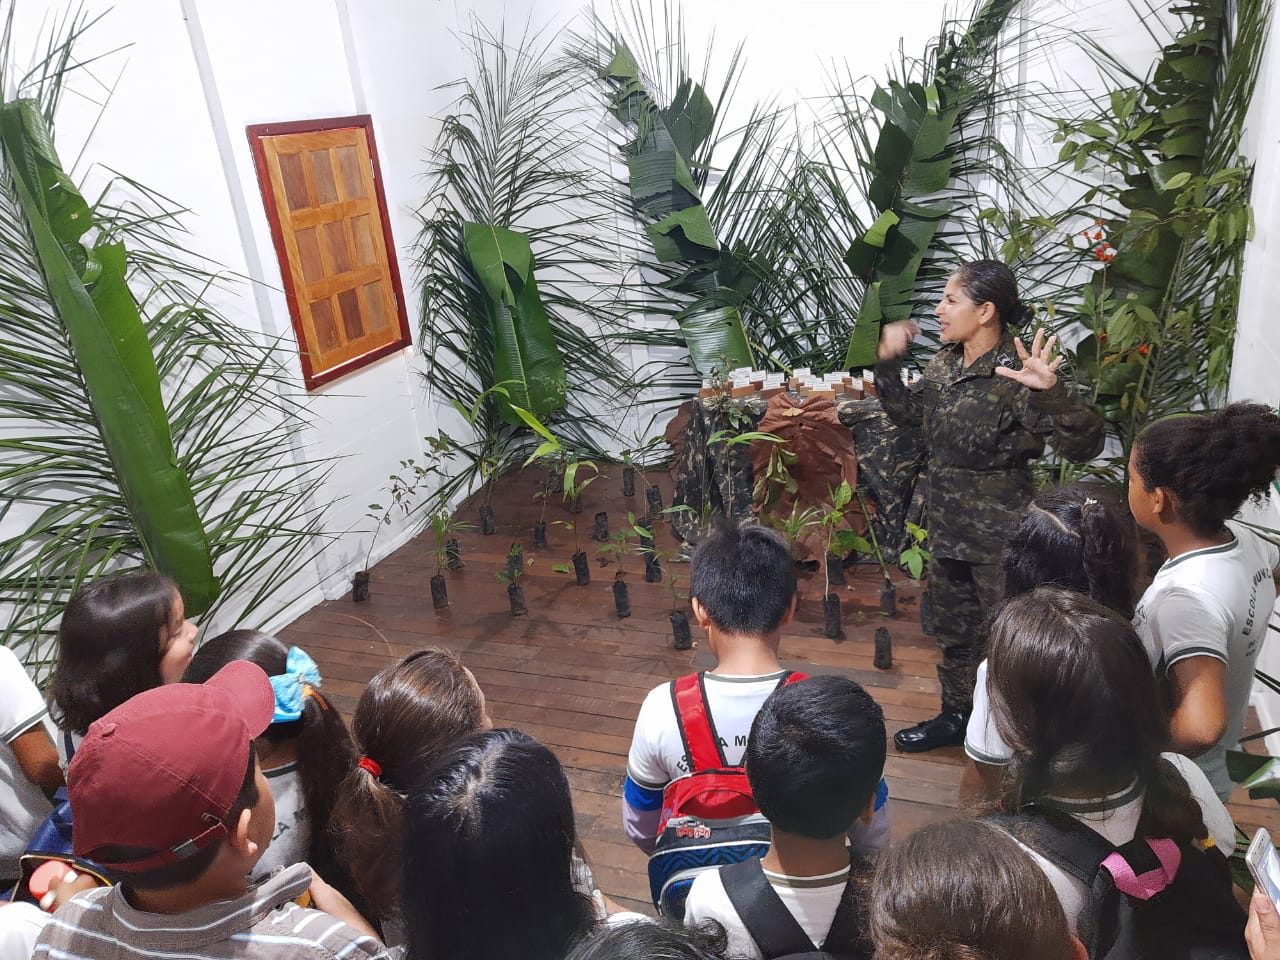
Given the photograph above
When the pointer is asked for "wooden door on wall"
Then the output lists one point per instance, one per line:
(328, 220)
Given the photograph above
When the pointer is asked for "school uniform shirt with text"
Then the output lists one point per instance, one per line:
(657, 754)
(1214, 602)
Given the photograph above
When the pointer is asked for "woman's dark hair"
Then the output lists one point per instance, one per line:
(408, 715)
(325, 751)
(1073, 695)
(489, 840)
(990, 281)
(964, 890)
(652, 940)
(110, 644)
(744, 578)
(1079, 537)
(1211, 462)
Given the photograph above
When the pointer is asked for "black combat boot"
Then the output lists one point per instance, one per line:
(944, 730)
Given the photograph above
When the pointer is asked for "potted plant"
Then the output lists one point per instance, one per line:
(836, 541)
(515, 593)
(444, 546)
(728, 440)
(402, 488)
(794, 526)
(652, 559)
(618, 547)
(888, 593)
(573, 488)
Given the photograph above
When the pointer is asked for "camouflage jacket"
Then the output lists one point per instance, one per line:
(980, 433)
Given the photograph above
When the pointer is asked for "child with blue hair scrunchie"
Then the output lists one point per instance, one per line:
(304, 754)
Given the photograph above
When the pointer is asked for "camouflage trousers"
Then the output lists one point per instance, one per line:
(962, 596)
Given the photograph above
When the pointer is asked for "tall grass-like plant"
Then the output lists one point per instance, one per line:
(509, 164)
(1170, 216)
(65, 479)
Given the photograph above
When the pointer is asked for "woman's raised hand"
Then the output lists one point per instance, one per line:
(1039, 371)
(895, 338)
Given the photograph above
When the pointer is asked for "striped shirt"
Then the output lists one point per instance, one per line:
(264, 922)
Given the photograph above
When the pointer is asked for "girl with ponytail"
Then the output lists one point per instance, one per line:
(304, 754)
(1073, 695)
(1204, 616)
(1079, 537)
(409, 715)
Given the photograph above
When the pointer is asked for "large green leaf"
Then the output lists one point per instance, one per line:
(527, 362)
(715, 337)
(111, 348)
(665, 195)
(913, 161)
(866, 332)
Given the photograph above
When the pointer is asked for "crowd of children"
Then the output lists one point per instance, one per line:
(213, 803)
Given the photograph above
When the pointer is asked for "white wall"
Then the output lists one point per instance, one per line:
(1257, 353)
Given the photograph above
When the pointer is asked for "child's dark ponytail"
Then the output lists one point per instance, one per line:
(408, 715)
(1211, 462)
(1079, 537)
(324, 748)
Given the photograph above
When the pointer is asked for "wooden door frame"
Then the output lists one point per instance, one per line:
(256, 132)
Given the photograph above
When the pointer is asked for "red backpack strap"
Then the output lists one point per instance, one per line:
(693, 716)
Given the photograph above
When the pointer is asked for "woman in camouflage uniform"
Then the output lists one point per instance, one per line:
(984, 408)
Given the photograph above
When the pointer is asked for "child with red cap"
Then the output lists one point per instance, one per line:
(168, 796)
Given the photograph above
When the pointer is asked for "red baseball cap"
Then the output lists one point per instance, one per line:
(161, 771)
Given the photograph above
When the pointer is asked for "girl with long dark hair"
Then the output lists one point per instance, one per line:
(119, 636)
(1073, 695)
(489, 844)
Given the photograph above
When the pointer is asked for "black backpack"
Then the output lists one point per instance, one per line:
(1149, 899)
(776, 931)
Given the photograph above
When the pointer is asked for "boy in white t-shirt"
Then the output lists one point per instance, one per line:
(1204, 616)
(29, 772)
(743, 593)
(814, 759)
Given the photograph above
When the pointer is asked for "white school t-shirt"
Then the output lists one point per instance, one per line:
(1116, 818)
(1214, 602)
(813, 901)
(291, 839)
(23, 805)
(657, 753)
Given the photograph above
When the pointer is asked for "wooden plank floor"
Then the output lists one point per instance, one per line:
(573, 675)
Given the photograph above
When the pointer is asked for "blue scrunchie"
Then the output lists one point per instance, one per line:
(300, 672)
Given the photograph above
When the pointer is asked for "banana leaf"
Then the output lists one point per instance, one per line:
(913, 160)
(526, 360)
(113, 354)
(665, 196)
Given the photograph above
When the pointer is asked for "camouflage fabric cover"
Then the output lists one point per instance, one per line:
(709, 477)
(963, 596)
(887, 459)
(979, 433)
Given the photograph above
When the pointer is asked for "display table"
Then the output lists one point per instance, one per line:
(844, 438)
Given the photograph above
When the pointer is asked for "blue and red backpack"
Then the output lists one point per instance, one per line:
(709, 816)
